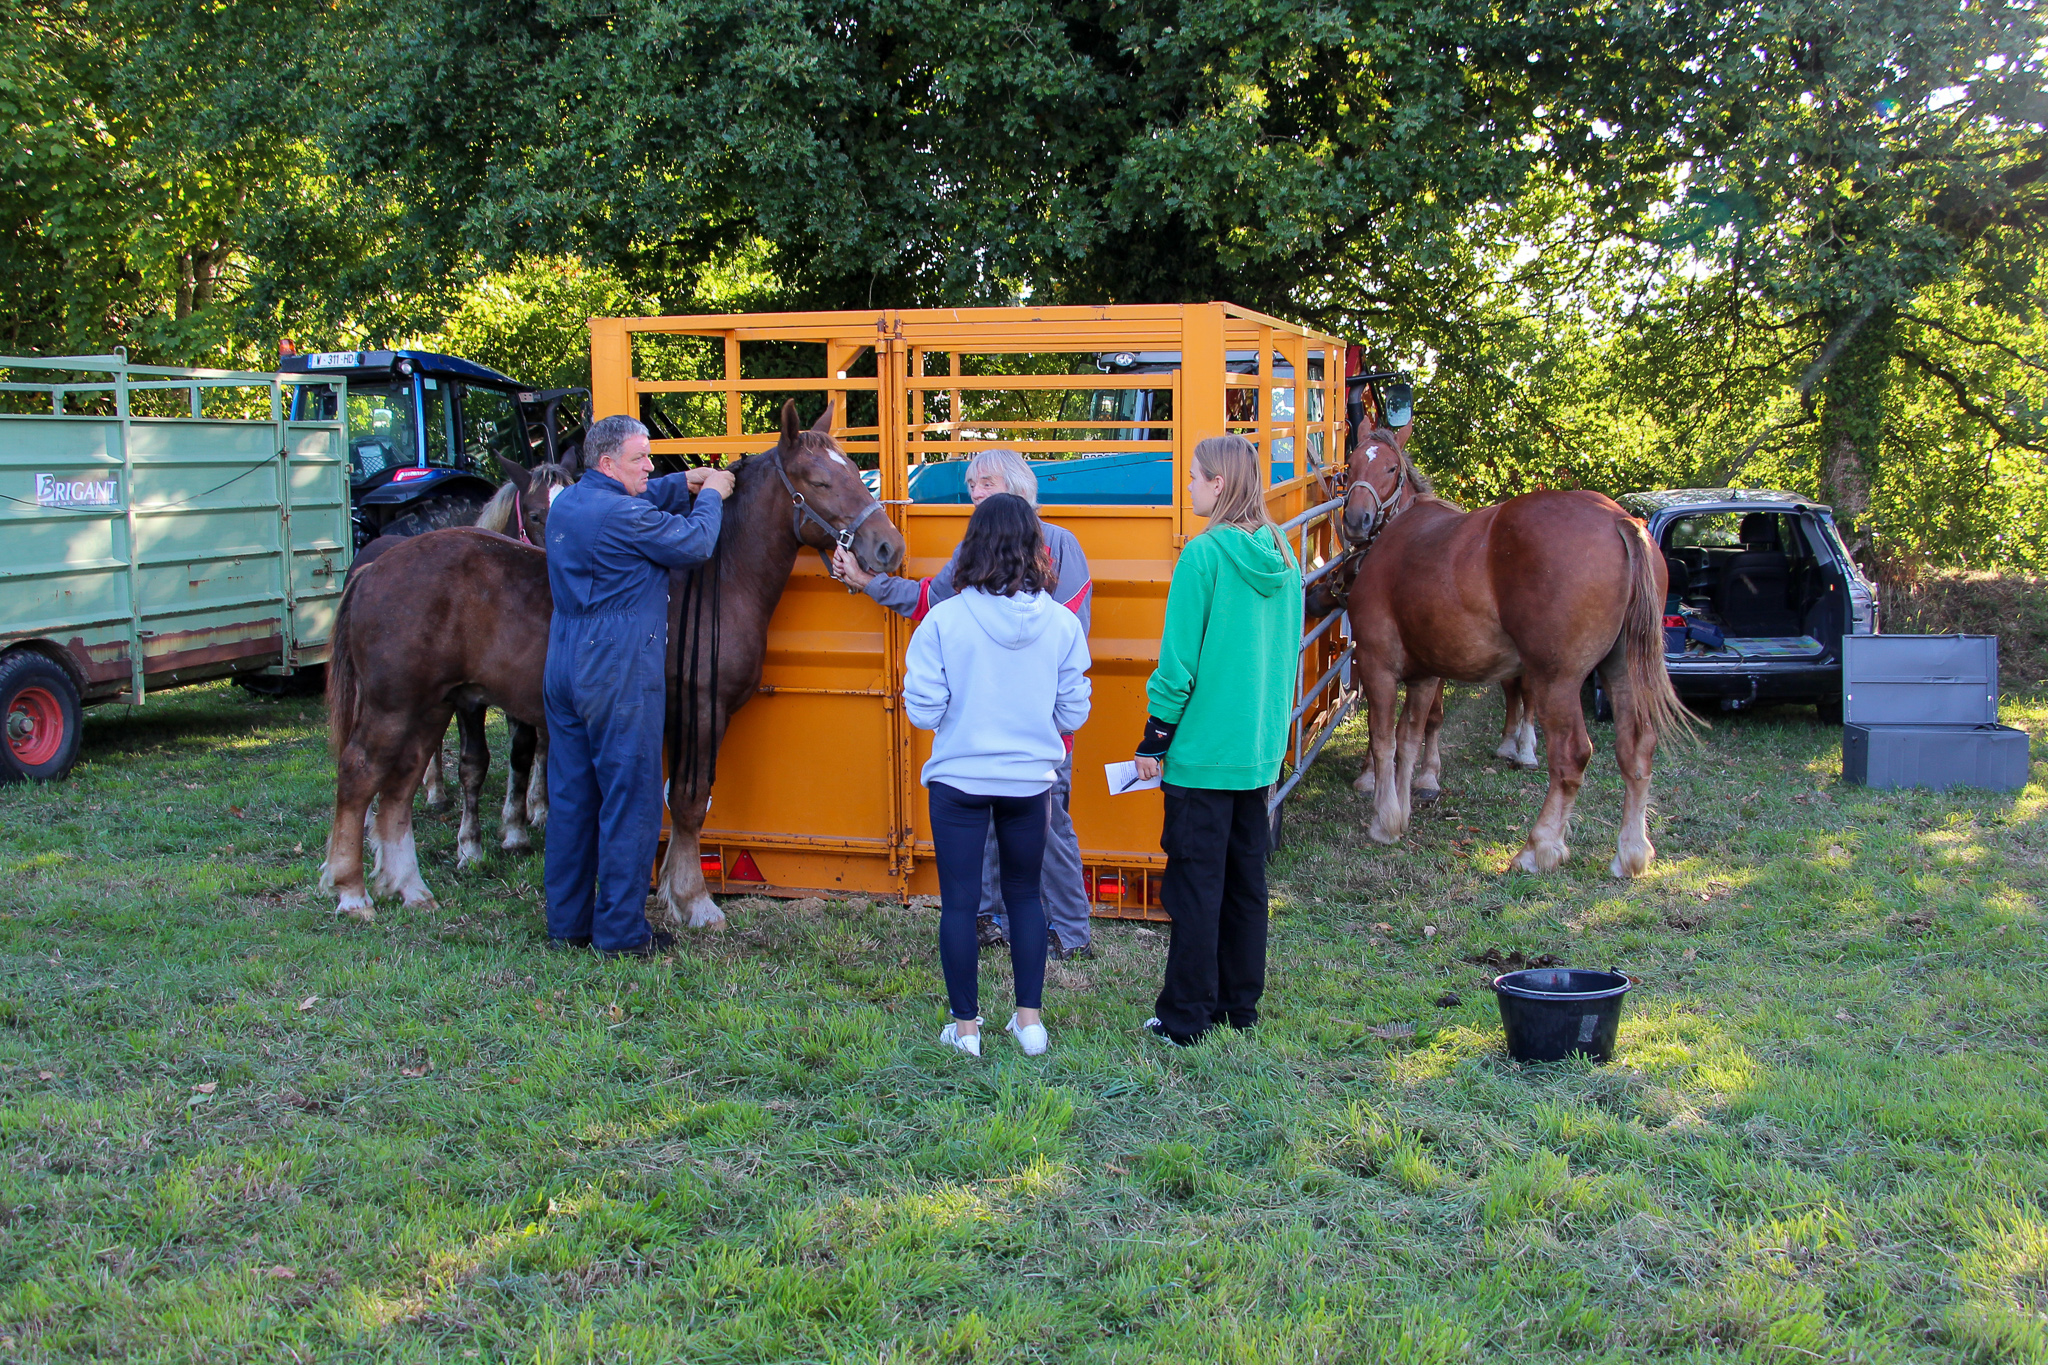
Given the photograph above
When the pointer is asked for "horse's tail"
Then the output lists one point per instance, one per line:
(344, 693)
(1642, 641)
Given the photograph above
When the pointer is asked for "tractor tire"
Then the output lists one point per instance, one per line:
(41, 709)
(437, 514)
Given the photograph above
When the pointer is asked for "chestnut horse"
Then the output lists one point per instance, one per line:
(461, 617)
(1548, 586)
(1518, 724)
(519, 509)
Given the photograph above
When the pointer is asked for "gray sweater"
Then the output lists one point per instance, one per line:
(913, 597)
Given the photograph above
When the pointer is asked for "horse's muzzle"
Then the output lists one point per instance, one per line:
(879, 547)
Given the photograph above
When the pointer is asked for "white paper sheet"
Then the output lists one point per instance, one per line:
(1123, 777)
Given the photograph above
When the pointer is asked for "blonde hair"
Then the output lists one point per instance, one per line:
(1242, 503)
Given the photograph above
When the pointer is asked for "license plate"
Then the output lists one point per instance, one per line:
(331, 360)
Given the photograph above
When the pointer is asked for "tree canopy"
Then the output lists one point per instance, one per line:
(1623, 244)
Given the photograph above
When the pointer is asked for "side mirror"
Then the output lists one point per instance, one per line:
(1397, 404)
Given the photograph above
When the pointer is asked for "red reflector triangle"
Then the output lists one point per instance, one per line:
(744, 870)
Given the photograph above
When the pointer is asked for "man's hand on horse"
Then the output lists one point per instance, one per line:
(718, 481)
(847, 569)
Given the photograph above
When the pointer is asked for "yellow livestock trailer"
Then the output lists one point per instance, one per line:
(817, 787)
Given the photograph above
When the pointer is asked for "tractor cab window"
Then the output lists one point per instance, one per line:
(313, 403)
(491, 429)
(381, 433)
(443, 439)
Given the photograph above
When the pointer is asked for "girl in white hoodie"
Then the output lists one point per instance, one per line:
(1000, 673)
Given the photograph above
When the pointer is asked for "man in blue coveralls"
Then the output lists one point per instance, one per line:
(612, 539)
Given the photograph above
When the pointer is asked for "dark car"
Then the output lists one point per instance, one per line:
(1762, 591)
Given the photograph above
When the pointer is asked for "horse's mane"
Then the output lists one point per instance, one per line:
(504, 504)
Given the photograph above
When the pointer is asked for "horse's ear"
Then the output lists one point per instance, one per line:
(1401, 435)
(518, 474)
(789, 426)
(824, 422)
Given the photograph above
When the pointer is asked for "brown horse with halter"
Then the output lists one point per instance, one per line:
(1548, 586)
(460, 617)
(518, 509)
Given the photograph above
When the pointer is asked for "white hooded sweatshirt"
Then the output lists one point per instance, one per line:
(1000, 679)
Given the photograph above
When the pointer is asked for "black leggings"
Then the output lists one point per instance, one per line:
(959, 834)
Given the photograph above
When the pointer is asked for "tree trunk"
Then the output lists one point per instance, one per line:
(1852, 409)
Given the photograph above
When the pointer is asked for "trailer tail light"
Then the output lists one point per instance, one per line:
(710, 864)
(745, 870)
(1109, 886)
(408, 475)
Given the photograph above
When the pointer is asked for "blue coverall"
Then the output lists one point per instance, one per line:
(609, 556)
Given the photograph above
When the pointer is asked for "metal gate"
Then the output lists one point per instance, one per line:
(1107, 403)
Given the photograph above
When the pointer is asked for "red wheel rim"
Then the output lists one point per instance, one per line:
(35, 726)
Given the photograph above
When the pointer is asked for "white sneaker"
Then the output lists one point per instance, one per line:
(1030, 1037)
(970, 1044)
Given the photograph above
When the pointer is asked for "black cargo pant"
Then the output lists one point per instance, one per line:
(1215, 890)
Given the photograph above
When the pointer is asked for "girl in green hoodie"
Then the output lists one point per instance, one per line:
(1218, 708)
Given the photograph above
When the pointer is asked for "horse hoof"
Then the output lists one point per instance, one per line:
(515, 841)
(1510, 753)
(438, 803)
(1633, 864)
(357, 907)
(1379, 835)
(423, 903)
(1545, 858)
(1425, 796)
(537, 814)
(1364, 784)
(467, 856)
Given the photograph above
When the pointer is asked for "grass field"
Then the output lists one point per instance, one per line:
(239, 1129)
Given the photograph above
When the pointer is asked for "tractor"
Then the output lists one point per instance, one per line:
(426, 433)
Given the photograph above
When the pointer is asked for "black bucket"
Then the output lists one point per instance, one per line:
(1555, 1012)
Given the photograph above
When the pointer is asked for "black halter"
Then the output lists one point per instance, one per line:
(801, 512)
(1383, 509)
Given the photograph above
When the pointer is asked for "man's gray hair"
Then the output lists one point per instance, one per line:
(1009, 466)
(608, 438)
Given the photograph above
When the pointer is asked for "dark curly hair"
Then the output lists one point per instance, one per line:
(1004, 550)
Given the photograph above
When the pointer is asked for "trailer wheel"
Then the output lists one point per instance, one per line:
(437, 514)
(40, 705)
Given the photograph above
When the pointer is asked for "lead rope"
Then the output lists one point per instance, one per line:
(686, 743)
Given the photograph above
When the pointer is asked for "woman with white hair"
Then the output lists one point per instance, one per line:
(1063, 889)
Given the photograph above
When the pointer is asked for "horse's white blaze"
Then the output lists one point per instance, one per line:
(555, 492)
(837, 457)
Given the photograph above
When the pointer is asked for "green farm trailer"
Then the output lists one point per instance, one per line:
(158, 526)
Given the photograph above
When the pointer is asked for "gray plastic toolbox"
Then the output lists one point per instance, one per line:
(1922, 711)
(1920, 679)
(1935, 756)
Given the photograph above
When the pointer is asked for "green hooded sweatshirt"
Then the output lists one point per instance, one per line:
(1228, 659)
